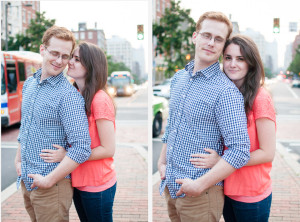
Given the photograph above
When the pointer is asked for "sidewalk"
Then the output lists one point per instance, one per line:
(131, 200)
(286, 191)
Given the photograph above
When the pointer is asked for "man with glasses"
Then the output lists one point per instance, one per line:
(53, 112)
(206, 111)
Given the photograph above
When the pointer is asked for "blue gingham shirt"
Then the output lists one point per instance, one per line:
(52, 113)
(206, 111)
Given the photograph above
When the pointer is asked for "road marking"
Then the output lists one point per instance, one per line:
(9, 145)
(156, 139)
(132, 122)
(294, 144)
(293, 93)
(288, 117)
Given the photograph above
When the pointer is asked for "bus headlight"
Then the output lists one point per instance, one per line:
(111, 91)
(128, 89)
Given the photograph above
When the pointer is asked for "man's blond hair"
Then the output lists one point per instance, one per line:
(217, 16)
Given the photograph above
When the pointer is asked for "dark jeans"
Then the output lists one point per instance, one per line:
(235, 211)
(95, 206)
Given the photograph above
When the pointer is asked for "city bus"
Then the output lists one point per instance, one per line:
(120, 84)
(16, 67)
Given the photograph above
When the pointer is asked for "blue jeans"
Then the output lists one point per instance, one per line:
(95, 206)
(235, 211)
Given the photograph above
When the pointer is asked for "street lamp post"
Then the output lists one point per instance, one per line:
(6, 29)
(7, 4)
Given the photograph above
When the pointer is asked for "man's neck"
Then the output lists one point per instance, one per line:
(199, 66)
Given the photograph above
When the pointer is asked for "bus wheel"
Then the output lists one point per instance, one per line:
(157, 125)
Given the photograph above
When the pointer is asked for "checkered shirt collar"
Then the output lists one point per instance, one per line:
(52, 79)
(207, 72)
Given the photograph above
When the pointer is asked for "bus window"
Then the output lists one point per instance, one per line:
(21, 71)
(11, 77)
(3, 88)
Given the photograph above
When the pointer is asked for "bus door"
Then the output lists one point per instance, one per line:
(13, 94)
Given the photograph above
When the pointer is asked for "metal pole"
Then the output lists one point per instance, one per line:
(6, 28)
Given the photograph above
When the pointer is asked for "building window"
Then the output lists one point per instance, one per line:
(76, 35)
(90, 35)
(24, 16)
(158, 6)
(82, 35)
(29, 17)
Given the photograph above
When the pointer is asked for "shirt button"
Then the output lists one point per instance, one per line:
(179, 114)
(191, 79)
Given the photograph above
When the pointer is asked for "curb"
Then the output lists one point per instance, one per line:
(288, 158)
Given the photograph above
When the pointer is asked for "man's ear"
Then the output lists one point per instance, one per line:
(42, 50)
(194, 37)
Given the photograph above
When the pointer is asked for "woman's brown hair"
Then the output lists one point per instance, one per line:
(255, 76)
(94, 61)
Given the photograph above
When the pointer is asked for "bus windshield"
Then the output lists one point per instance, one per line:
(120, 81)
(3, 88)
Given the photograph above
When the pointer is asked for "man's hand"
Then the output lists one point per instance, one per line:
(18, 167)
(189, 187)
(162, 170)
(40, 181)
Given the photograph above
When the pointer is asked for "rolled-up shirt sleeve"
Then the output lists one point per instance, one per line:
(75, 124)
(232, 121)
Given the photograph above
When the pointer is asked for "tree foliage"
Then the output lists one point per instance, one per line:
(268, 73)
(115, 66)
(32, 39)
(173, 33)
(295, 64)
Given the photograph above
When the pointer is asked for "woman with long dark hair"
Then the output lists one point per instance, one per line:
(248, 191)
(94, 181)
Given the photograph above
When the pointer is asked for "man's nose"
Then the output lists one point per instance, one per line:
(211, 41)
(59, 59)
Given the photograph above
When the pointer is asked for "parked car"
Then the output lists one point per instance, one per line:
(160, 107)
(296, 82)
(163, 89)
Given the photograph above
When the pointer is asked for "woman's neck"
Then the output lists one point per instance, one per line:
(80, 85)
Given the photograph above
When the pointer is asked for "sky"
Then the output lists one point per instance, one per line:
(255, 14)
(114, 17)
(121, 17)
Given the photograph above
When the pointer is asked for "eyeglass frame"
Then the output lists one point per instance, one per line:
(57, 55)
(209, 37)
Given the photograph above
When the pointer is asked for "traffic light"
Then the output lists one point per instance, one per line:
(276, 25)
(140, 32)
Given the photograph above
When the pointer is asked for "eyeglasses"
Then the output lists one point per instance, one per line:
(207, 36)
(56, 55)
